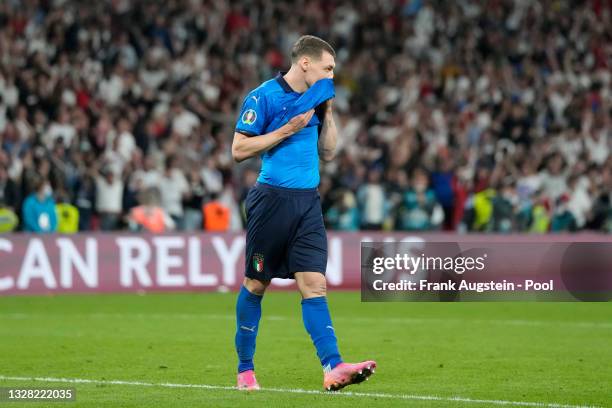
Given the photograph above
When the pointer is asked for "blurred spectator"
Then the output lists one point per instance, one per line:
(483, 209)
(8, 189)
(343, 215)
(8, 218)
(216, 215)
(85, 200)
(227, 199)
(563, 219)
(553, 177)
(174, 187)
(442, 184)
(67, 214)
(540, 215)
(419, 209)
(194, 200)
(504, 208)
(109, 190)
(184, 121)
(372, 201)
(150, 216)
(61, 129)
(39, 209)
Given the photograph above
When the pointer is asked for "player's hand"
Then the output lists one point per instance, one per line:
(298, 122)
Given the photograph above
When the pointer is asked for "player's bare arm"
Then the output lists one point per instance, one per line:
(328, 136)
(245, 147)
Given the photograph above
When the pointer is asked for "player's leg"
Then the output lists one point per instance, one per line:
(308, 260)
(308, 255)
(248, 314)
(317, 320)
(263, 255)
(255, 286)
(318, 324)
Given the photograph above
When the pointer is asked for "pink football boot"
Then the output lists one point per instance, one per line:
(247, 381)
(346, 374)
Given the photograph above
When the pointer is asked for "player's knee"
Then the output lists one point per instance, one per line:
(315, 291)
(255, 286)
(314, 286)
(318, 290)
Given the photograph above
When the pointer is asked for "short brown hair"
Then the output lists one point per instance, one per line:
(311, 46)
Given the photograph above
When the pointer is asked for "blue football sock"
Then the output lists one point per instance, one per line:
(248, 313)
(318, 324)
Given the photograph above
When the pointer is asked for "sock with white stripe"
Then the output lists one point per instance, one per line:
(248, 313)
(317, 322)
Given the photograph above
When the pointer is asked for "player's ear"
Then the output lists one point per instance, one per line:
(305, 63)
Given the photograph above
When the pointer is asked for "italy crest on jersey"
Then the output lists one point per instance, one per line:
(258, 262)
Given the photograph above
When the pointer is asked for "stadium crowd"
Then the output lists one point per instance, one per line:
(468, 115)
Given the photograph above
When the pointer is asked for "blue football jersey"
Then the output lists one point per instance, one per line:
(293, 163)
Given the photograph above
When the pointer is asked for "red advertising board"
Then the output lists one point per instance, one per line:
(38, 264)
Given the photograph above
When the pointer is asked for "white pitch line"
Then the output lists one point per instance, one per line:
(300, 391)
(405, 320)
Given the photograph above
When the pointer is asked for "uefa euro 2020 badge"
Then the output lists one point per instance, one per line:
(258, 262)
(249, 117)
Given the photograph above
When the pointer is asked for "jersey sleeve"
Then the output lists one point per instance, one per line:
(252, 118)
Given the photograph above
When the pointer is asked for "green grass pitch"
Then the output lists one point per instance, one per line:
(428, 354)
